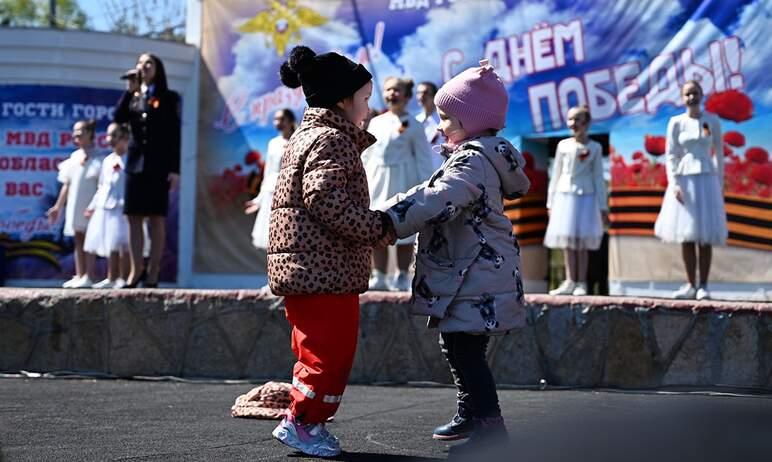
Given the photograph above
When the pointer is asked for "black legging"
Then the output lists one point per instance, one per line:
(476, 388)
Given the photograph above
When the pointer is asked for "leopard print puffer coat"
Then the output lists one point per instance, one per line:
(321, 230)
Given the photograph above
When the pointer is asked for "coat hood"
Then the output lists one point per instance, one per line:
(506, 160)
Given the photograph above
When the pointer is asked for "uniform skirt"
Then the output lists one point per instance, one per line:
(700, 219)
(575, 222)
(108, 231)
(146, 194)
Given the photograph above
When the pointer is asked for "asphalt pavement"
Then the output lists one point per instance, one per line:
(127, 420)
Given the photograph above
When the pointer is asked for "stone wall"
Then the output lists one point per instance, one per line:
(588, 341)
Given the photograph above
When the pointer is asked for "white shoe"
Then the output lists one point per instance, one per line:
(378, 281)
(580, 289)
(401, 283)
(686, 292)
(103, 284)
(119, 283)
(566, 288)
(73, 280)
(83, 283)
(703, 293)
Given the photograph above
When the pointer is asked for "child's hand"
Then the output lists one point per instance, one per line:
(88, 213)
(53, 215)
(251, 207)
(390, 235)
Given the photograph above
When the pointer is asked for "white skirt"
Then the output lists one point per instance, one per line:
(700, 219)
(260, 229)
(385, 182)
(107, 232)
(575, 223)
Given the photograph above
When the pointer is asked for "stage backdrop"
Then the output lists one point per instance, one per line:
(36, 126)
(625, 59)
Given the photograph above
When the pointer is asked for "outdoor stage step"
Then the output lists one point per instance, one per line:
(569, 341)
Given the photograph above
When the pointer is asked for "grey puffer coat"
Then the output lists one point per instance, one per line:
(468, 260)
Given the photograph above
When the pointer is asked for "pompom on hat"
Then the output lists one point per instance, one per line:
(326, 78)
(477, 97)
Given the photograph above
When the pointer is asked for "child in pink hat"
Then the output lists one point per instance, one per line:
(468, 277)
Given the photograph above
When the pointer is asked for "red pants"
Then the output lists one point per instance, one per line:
(324, 339)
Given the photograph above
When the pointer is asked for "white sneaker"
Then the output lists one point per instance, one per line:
(313, 440)
(401, 283)
(703, 293)
(73, 280)
(378, 281)
(566, 288)
(119, 283)
(686, 292)
(580, 289)
(83, 283)
(103, 284)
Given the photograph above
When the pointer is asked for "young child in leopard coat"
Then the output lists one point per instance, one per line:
(467, 276)
(321, 234)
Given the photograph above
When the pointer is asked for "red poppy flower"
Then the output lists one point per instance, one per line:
(638, 155)
(252, 157)
(116, 166)
(757, 155)
(584, 154)
(765, 192)
(154, 102)
(636, 168)
(655, 145)
(730, 105)
(237, 167)
(733, 138)
(762, 173)
(727, 150)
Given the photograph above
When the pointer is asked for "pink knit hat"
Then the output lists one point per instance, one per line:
(477, 97)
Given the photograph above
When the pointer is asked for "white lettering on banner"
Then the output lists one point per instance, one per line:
(543, 59)
(546, 91)
(520, 53)
(91, 111)
(398, 5)
(32, 110)
(602, 102)
(496, 54)
(451, 58)
(664, 83)
(571, 85)
(626, 88)
(626, 80)
(541, 49)
(693, 71)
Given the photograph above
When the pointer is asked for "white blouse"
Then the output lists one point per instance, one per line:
(578, 169)
(690, 145)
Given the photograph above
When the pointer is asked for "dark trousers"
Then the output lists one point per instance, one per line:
(476, 388)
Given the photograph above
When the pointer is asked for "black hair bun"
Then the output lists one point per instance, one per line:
(300, 59)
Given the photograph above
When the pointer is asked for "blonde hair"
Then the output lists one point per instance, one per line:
(695, 83)
(87, 126)
(406, 83)
(582, 109)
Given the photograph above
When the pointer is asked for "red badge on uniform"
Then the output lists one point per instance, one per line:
(584, 154)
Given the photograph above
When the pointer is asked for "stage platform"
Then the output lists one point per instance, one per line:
(569, 341)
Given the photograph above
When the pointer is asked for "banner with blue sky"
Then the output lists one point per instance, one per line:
(625, 59)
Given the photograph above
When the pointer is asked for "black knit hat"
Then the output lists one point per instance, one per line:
(326, 78)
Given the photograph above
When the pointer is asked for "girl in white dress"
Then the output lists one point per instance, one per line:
(692, 211)
(79, 175)
(400, 159)
(284, 123)
(108, 229)
(576, 201)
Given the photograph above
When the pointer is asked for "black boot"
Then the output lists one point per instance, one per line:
(490, 435)
(458, 428)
